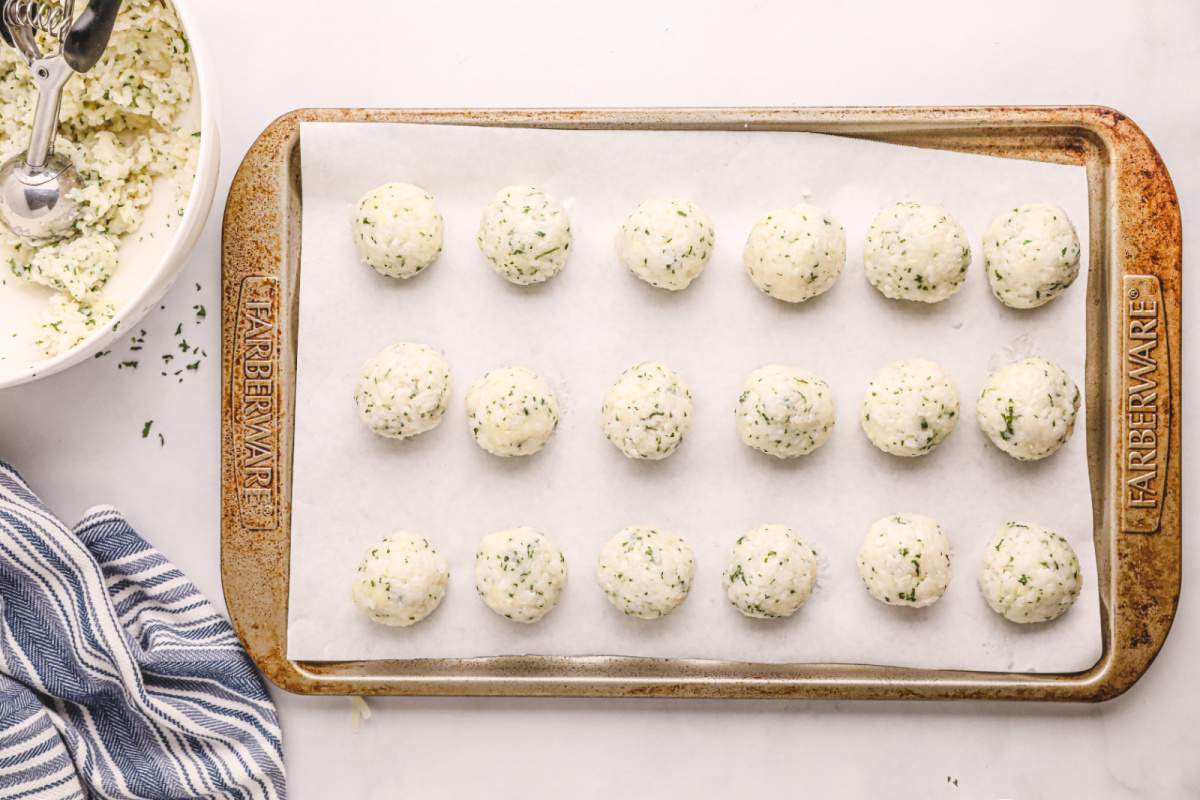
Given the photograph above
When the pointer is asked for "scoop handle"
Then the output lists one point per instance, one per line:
(50, 75)
(89, 35)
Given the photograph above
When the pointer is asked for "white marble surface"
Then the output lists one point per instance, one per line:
(77, 436)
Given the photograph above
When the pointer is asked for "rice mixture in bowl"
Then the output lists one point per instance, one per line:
(131, 129)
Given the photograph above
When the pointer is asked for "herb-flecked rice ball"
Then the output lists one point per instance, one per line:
(520, 574)
(916, 252)
(525, 235)
(398, 230)
(1031, 255)
(647, 412)
(646, 572)
(1028, 408)
(1029, 573)
(795, 254)
(401, 580)
(784, 411)
(666, 242)
(910, 407)
(511, 412)
(905, 560)
(771, 572)
(403, 390)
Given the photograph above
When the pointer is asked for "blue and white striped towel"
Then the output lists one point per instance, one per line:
(118, 679)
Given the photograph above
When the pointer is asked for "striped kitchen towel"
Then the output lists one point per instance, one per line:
(118, 679)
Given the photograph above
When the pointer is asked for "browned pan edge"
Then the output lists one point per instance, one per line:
(1132, 384)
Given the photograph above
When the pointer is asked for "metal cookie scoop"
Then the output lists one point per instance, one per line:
(35, 189)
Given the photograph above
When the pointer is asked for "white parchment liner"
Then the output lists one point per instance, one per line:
(584, 327)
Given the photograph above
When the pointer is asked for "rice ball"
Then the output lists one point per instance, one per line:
(1031, 255)
(910, 407)
(666, 242)
(403, 390)
(401, 580)
(511, 412)
(525, 235)
(916, 252)
(646, 572)
(647, 412)
(784, 411)
(1028, 408)
(1029, 573)
(520, 574)
(771, 572)
(795, 254)
(397, 229)
(905, 560)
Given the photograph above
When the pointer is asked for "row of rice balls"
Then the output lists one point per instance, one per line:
(1029, 573)
(913, 251)
(1027, 408)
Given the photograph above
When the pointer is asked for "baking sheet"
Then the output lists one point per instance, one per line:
(584, 327)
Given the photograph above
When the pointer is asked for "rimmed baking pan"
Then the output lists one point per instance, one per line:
(1132, 391)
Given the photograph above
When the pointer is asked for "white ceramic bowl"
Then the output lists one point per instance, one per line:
(163, 264)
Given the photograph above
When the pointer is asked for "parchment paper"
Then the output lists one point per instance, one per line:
(585, 326)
